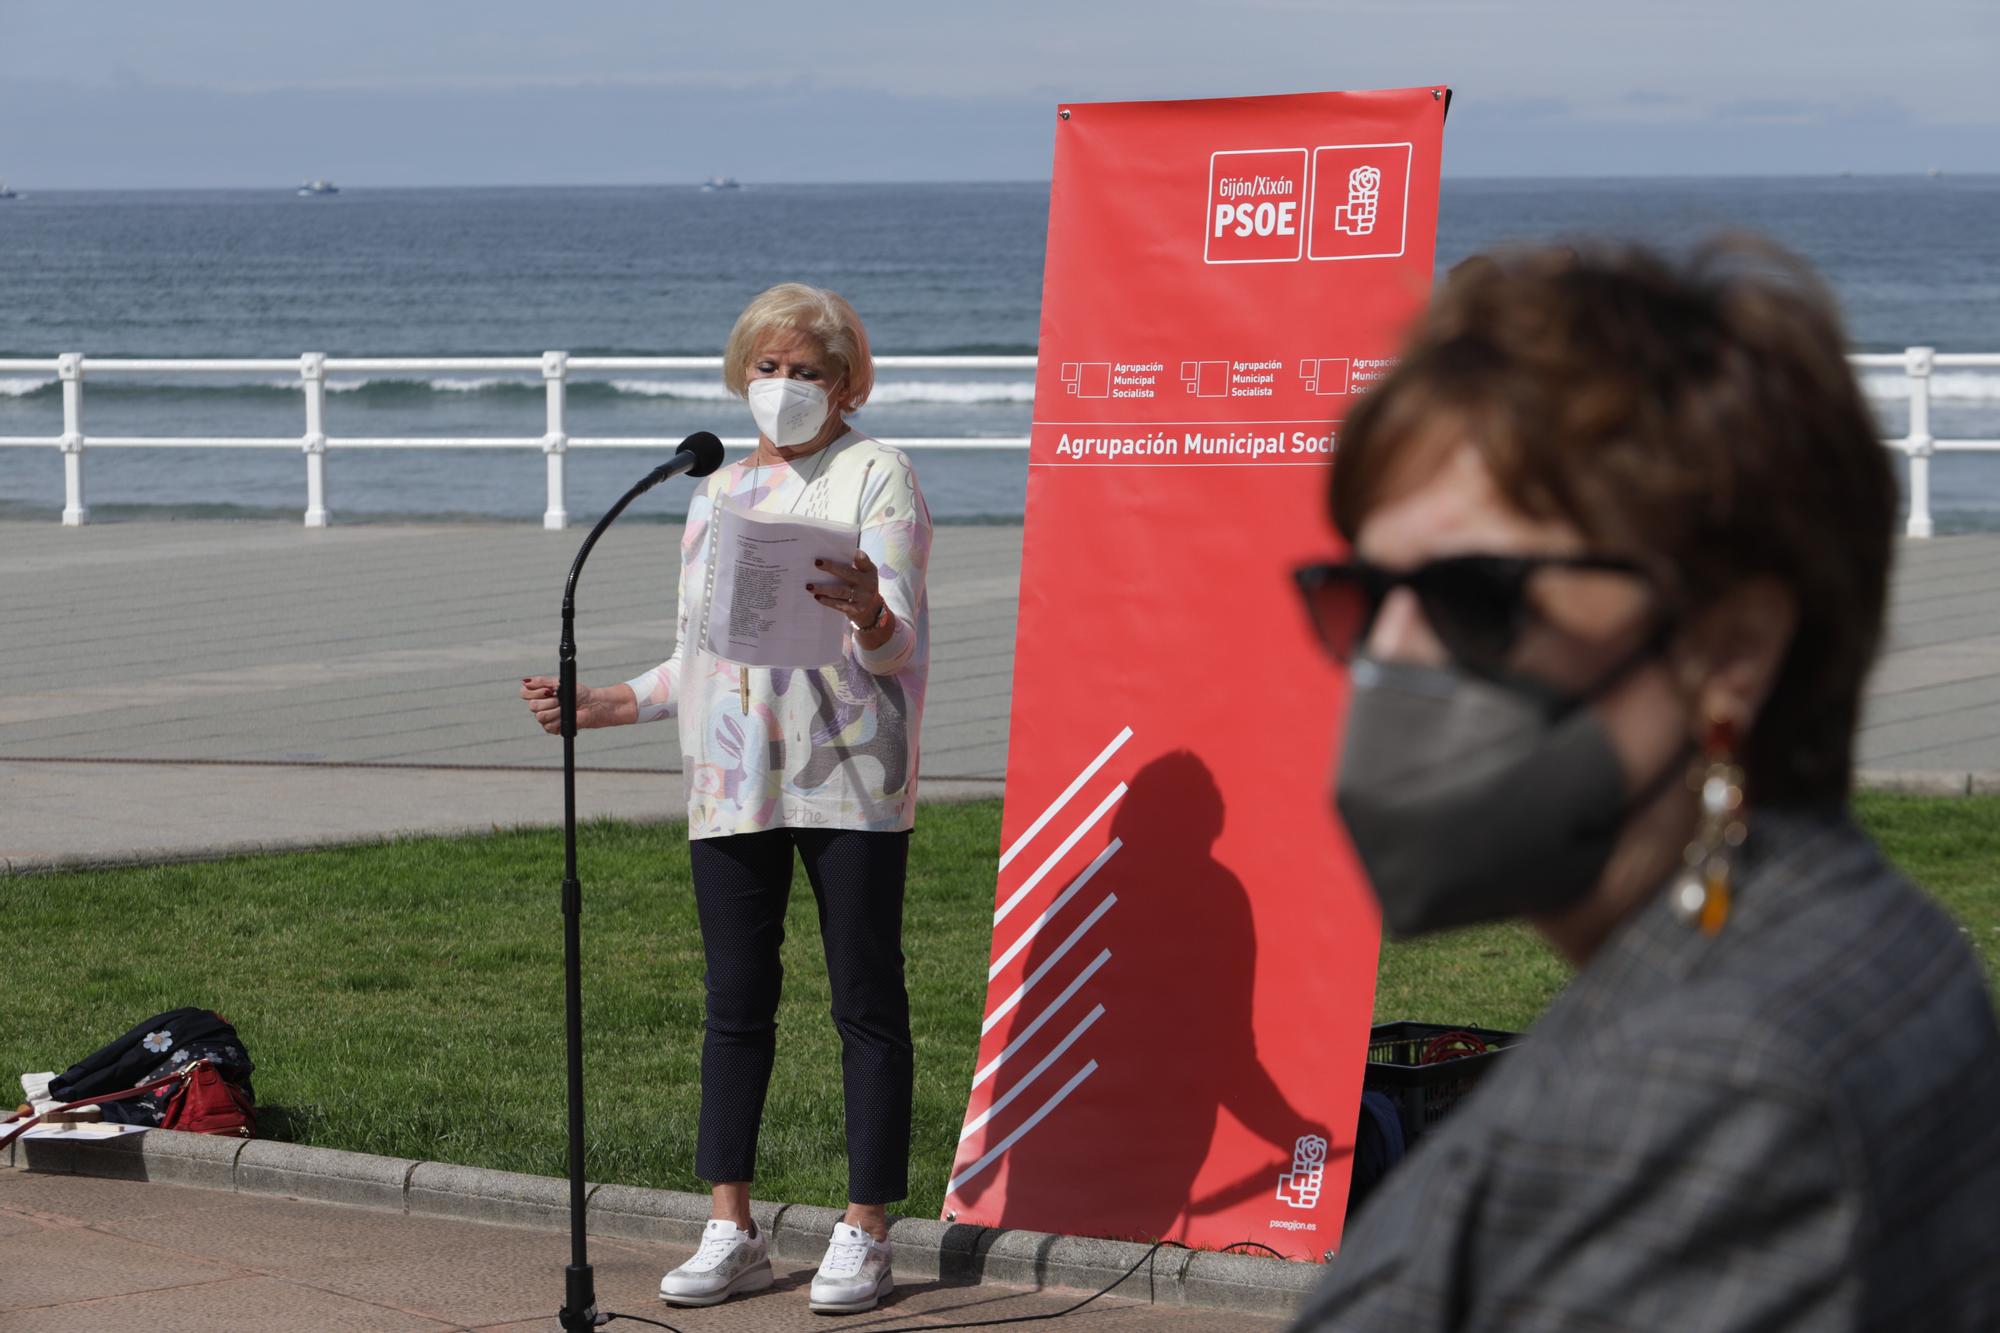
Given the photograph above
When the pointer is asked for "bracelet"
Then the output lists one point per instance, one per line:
(881, 609)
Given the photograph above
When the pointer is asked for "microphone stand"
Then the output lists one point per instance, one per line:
(579, 1311)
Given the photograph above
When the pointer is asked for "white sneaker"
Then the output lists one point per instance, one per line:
(35, 1087)
(729, 1261)
(854, 1273)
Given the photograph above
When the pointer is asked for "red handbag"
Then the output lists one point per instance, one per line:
(208, 1103)
(204, 1103)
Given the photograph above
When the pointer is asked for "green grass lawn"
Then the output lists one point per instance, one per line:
(1503, 976)
(405, 998)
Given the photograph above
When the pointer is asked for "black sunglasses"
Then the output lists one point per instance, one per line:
(1476, 604)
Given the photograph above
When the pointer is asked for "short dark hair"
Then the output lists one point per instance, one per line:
(1698, 415)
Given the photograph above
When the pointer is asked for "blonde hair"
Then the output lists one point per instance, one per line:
(821, 315)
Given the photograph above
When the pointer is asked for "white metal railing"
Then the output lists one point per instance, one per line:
(1917, 363)
(1918, 443)
(555, 442)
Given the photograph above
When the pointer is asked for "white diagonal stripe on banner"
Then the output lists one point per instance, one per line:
(992, 1066)
(1064, 799)
(1028, 885)
(1007, 1004)
(1026, 1125)
(1041, 1066)
(1035, 926)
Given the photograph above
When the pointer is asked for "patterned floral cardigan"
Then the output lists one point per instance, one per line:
(834, 747)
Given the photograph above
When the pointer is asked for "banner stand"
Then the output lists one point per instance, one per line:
(1183, 964)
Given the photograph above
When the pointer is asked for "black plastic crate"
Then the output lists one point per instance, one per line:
(1425, 1092)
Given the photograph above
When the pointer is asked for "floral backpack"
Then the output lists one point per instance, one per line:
(185, 1069)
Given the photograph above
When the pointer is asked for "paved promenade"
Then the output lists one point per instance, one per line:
(174, 688)
(1933, 712)
(88, 1255)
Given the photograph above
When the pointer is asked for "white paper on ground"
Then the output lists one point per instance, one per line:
(83, 1129)
(759, 612)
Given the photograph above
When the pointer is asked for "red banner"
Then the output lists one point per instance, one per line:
(1183, 963)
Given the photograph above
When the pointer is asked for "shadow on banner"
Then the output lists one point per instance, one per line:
(1198, 1043)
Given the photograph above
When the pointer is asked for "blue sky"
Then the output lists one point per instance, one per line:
(444, 92)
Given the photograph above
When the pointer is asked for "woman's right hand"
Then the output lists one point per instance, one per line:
(607, 706)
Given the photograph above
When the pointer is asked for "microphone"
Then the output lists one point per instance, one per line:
(698, 455)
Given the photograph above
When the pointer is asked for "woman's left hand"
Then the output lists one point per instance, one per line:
(857, 595)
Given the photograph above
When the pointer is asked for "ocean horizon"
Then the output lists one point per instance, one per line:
(935, 268)
(1450, 178)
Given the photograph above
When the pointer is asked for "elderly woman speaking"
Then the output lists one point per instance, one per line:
(822, 762)
(1620, 530)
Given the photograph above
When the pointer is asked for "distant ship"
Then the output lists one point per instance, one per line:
(721, 183)
(6, 193)
(317, 187)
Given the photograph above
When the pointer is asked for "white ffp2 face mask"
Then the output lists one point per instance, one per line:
(788, 412)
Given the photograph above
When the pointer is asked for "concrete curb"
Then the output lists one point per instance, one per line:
(268, 1167)
(1925, 782)
(939, 791)
(925, 1250)
(1929, 783)
(438, 1189)
(1910, 782)
(172, 856)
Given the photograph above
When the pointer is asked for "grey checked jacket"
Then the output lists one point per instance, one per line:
(1794, 1124)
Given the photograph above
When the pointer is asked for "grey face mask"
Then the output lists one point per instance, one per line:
(1473, 801)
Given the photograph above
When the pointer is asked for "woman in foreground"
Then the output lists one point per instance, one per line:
(1620, 534)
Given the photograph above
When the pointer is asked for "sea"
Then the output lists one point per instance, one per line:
(934, 268)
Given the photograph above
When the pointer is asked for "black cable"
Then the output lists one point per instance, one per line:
(1144, 1259)
(1254, 1245)
(605, 1316)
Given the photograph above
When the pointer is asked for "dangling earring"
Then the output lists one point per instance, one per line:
(1702, 893)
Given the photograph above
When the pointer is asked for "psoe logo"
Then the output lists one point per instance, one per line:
(1360, 201)
(1256, 206)
(1300, 1186)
